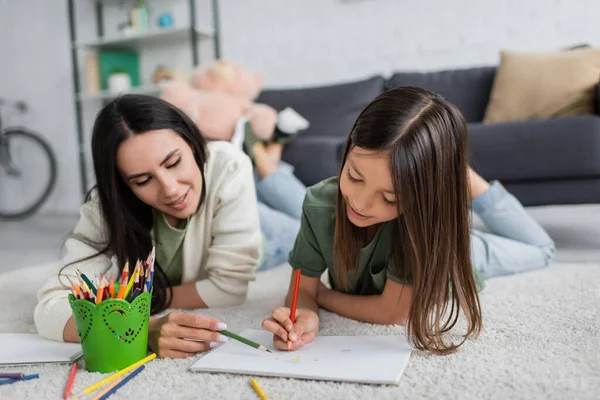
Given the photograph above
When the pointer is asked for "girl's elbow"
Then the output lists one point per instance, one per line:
(397, 318)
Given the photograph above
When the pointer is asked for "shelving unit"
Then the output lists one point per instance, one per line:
(159, 37)
(134, 41)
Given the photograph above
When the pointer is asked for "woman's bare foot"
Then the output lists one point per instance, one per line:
(477, 185)
(263, 161)
(274, 150)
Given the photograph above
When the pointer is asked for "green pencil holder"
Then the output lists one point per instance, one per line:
(114, 333)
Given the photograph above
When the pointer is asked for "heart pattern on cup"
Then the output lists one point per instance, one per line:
(84, 314)
(115, 313)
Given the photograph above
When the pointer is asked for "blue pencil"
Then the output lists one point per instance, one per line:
(25, 378)
(123, 382)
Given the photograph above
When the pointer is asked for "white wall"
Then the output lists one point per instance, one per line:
(292, 42)
(297, 42)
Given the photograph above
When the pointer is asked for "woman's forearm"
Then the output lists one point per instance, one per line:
(186, 297)
(371, 309)
(70, 331)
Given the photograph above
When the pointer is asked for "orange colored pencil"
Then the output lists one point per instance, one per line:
(100, 294)
(108, 389)
(294, 301)
(70, 381)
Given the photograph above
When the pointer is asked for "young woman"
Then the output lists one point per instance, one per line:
(158, 183)
(394, 229)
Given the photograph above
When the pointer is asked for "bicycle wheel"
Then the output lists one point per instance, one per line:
(27, 174)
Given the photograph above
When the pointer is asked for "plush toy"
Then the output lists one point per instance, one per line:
(227, 77)
(220, 101)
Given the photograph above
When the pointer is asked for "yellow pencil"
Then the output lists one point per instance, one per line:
(115, 375)
(261, 394)
(108, 389)
(130, 284)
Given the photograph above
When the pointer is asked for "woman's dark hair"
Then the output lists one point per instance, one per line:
(128, 221)
(426, 139)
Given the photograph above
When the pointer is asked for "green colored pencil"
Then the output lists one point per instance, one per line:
(245, 341)
(88, 282)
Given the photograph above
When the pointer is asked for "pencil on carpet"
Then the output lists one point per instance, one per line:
(70, 381)
(259, 391)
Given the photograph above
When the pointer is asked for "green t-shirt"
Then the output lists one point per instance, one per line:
(313, 250)
(169, 244)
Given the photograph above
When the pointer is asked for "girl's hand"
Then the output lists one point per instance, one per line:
(181, 335)
(303, 331)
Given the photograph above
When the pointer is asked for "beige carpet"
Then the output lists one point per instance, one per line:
(541, 341)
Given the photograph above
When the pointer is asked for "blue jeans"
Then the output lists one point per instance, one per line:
(280, 196)
(517, 242)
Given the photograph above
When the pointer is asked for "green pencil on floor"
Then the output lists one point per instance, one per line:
(244, 340)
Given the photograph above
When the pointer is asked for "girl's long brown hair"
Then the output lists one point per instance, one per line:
(426, 138)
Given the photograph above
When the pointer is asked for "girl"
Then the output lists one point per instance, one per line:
(159, 183)
(393, 229)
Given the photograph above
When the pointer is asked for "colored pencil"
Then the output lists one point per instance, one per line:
(111, 287)
(88, 282)
(294, 301)
(132, 280)
(109, 388)
(115, 375)
(244, 340)
(135, 294)
(259, 391)
(12, 375)
(100, 294)
(122, 383)
(25, 378)
(70, 381)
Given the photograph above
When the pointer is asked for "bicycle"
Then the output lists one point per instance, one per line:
(28, 169)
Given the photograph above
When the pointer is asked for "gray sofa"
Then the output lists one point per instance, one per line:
(542, 162)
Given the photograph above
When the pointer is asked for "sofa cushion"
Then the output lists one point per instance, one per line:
(468, 89)
(544, 85)
(331, 110)
(567, 147)
(315, 157)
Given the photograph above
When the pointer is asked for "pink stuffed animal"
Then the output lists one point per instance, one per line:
(221, 103)
(215, 114)
(232, 79)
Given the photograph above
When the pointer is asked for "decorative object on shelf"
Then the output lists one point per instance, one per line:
(126, 61)
(126, 29)
(92, 73)
(163, 75)
(140, 16)
(165, 20)
(119, 81)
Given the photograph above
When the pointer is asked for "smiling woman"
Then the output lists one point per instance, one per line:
(159, 184)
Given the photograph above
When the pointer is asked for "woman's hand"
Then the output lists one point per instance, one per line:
(303, 331)
(181, 335)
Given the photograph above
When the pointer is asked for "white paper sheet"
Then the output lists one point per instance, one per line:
(30, 348)
(361, 359)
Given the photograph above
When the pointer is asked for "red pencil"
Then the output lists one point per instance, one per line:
(70, 381)
(294, 300)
